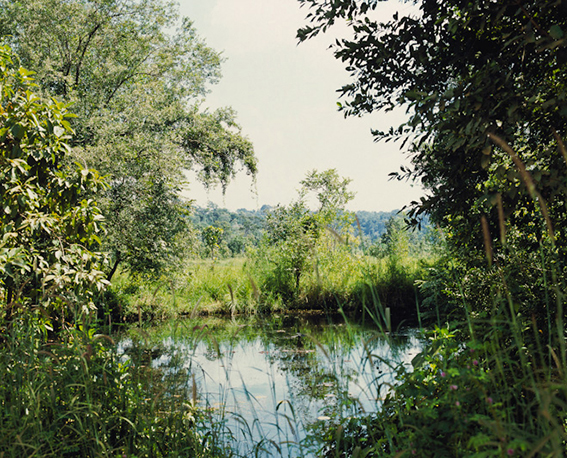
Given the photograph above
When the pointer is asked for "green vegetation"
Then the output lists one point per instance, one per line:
(270, 412)
(484, 85)
(313, 259)
(64, 390)
(135, 73)
(74, 397)
(65, 231)
(296, 259)
(50, 263)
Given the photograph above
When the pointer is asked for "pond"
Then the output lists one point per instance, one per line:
(268, 381)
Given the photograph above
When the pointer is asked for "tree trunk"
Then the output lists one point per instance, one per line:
(114, 267)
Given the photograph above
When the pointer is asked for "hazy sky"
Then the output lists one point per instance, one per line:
(286, 100)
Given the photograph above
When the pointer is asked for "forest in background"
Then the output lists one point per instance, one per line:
(243, 228)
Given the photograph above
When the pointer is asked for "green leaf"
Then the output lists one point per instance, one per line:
(18, 131)
(556, 32)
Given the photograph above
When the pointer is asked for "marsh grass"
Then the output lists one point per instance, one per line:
(233, 417)
(337, 281)
(487, 384)
(198, 287)
(491, 382)
(481, 398)
(74, 397)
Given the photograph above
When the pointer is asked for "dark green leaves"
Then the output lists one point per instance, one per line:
(463, 70)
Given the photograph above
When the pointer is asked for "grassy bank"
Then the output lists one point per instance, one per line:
(239, 285)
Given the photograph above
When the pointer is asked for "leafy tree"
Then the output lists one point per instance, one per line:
(396, 238)
(212, 237)
(372, 224)
(330, 188)
(242, 228)
(136, 73)
(295, 236)
(293, 231)
(333, 195)
(49, 225)
(484, 84)
(237, 245)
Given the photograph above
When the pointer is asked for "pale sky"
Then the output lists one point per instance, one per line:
(286, 100)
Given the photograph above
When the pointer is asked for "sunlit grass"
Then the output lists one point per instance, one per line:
(237, 286)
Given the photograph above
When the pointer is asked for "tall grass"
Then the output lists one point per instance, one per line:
(492, 380)
(335, 281)
(200, 286)
(75, 397)
(492, 396)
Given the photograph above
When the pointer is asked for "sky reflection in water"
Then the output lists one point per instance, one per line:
(272, 377)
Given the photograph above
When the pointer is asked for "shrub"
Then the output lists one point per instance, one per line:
(48, 222)
(462, 400)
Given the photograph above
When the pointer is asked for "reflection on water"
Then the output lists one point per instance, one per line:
(267, 379)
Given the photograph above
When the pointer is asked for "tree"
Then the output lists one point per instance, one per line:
(295, 236)
(293, 232)
(136, 73)
(332, 194)
(49, 226)
(212, 237)
(485, 87)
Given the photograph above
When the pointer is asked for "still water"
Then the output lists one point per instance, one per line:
(268, 381)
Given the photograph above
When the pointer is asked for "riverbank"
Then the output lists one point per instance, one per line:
(235, 286)
(75, 396)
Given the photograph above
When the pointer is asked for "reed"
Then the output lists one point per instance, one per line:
(75, 396)
(337, 281)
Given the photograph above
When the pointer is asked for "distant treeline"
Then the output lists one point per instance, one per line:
(242, 228)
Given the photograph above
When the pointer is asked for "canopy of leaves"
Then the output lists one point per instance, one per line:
(136, 73)
(484, 83)
(242, 229)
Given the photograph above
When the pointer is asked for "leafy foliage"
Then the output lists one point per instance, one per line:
(212, 237)
(332, 195)
(463, 399)
(291, 236)
(79, 397)
(296, 237)
(49, 224)
(484, 84)
(372, 224)
(135, 72)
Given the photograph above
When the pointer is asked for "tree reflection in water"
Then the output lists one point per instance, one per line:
(264, 380)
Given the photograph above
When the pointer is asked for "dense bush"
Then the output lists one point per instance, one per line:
(463, 399)
(49, 225)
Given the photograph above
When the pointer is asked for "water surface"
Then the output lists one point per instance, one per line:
(269, 380)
